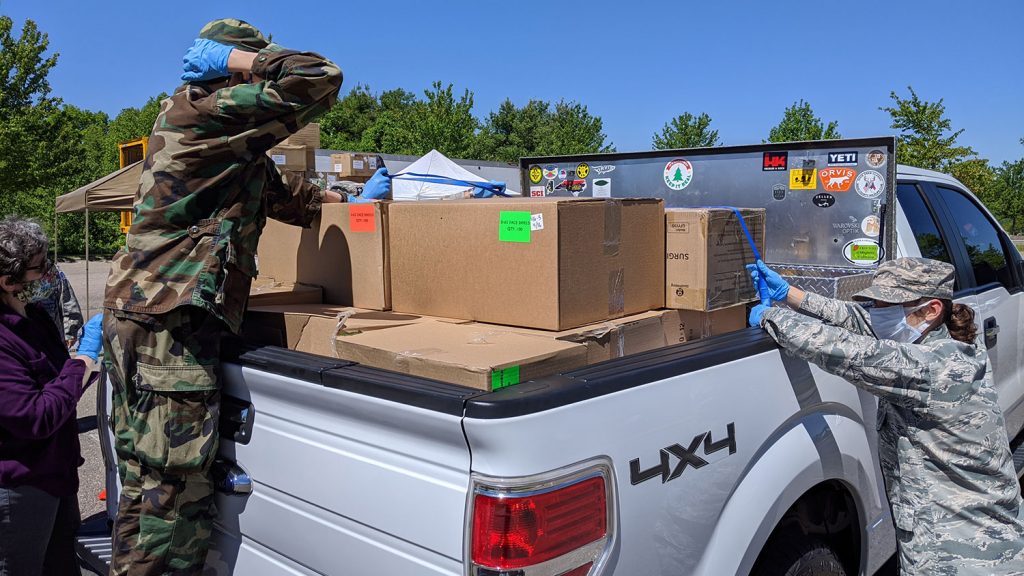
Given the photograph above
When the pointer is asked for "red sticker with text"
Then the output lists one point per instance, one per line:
(361, 218)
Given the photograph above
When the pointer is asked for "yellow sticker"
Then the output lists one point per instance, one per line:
(536, 174)
(582, 170)
(803, 179)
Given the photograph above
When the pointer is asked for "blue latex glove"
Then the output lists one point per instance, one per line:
(756, 313)
(479, 192)
(378, 187)
(777, 287)
(92, 337)
(205, 60)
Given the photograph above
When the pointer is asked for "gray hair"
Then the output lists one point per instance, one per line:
(21, 240)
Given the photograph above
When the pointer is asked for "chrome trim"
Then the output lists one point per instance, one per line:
(231, 479)
(598, 551)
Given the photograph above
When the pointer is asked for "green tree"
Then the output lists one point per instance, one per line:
(572, 129)
(1009, 195)
(686, 131)
(23, 67)
(799, 123)
(511, 132)
(926, 138)
(342, 127)
(406, 125)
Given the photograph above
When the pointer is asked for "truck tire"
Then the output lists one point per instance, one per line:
(798, 556)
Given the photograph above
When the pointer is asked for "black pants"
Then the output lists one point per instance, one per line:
(37, 533)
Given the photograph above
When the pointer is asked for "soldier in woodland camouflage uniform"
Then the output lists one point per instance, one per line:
(942, 443)
(54, 293)
(183, 279)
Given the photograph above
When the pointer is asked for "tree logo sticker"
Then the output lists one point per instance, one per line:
(678, 174)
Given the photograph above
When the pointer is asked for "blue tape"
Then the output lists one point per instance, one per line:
(762, 286)
(497, 189)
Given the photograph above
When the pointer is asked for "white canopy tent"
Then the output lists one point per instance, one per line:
(435, 164)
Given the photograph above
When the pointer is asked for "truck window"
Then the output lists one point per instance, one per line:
(981, 238)
(921, 221)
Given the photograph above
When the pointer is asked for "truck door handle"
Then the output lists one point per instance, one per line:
(230, 478)
(991, 328)
(236, 419)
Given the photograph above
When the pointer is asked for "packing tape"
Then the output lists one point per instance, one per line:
(341, 319)
(612, 226)
(616, 292)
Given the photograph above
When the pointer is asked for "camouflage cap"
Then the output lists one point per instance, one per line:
(234, 32)
(909, 279)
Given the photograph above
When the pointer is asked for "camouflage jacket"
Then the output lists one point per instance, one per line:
(942, 443)
(208, 186)
(62, 306)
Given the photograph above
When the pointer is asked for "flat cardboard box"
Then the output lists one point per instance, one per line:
(688, 325)
(345, 252)
(308, 136)
(354, 164)
(312, 327)
(462, 354)
(292, 158)
(547, 263)
(267, 292)
(705, 254)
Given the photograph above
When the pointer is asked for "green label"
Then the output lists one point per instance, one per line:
(504, 377)
(864, 253)
(513, 226)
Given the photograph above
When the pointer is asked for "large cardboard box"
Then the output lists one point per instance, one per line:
(548, 263)
(345, 252)
(688, 325)
(313, 327)
(462, 354)
(308, 136)
(292, 158)
(354, 164)
(267, 292)
(705, 254)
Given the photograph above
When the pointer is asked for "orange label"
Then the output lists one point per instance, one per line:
(837, 179)
(361, 218)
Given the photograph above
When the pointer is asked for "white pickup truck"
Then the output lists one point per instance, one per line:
(713, 457)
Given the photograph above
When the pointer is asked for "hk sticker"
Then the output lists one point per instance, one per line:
(678, 174)
(603, 169)
(823, 200)
(536, 222)
(842, 158)
(602, 188)
(837, 179)
(536, 174)
(870, 184)
(536, 191)
(862, 252)
(779, 192)
(774, 161)
(550, 172)
(803, 179)
(871, 226)
(876, 158)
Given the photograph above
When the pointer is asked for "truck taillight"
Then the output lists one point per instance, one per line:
(545, 525)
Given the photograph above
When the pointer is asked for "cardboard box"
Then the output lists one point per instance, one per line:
(548, 263)
(688, 325)
(345, 252)
(308, 136)
(705, 254)
(462, 354)
(312, 327)
(291, 158)
(354, 164)
(267, 291)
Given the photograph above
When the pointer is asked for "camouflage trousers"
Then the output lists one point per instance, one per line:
(164, 373)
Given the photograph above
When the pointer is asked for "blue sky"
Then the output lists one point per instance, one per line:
(636, 64)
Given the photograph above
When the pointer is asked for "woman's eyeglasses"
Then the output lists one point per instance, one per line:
(43, 268)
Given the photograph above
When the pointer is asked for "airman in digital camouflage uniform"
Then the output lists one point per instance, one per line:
(942, 444)
(183, 279)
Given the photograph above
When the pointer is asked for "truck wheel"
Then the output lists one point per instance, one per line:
(799, 556)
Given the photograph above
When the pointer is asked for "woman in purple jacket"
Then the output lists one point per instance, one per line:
(40, 385)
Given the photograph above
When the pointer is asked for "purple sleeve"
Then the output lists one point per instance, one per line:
(29, 412)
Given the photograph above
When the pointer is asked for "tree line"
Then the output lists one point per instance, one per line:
(49, 147)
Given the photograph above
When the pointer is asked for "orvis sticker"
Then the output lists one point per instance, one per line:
(536, 191)
(774, 161)
(837, 179)
(779, 191)
(536, 222)
(536, 174)
(862, 252)
(803, 179)
(513, 226)
(678, 173)
(602, 188)
(823, 200)
(870, 184)
(842, 158)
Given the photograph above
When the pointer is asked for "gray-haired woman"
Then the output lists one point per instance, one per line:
(40, 385)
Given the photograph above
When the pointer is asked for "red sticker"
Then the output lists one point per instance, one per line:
(361, 218)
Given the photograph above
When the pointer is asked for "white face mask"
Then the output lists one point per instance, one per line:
(890, 323)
